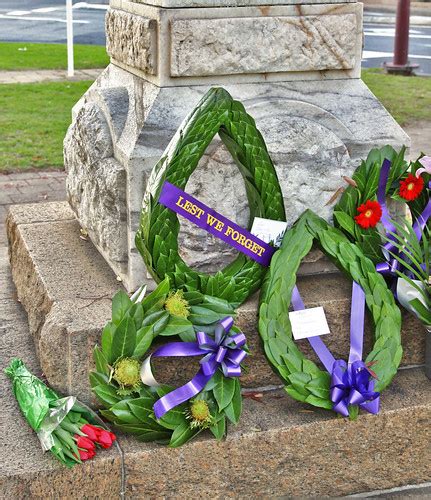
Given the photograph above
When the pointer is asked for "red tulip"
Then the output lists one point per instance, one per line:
(86, 454)
(91, 431)
(85, 443)
(105, 438)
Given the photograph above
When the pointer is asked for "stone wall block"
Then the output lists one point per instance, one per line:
(132, 40)
(205, 47)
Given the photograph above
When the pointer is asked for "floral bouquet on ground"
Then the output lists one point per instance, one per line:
(62, 425)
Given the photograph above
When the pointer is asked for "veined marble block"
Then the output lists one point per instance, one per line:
(296, 68)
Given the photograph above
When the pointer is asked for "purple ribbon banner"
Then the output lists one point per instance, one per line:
(197, 212)
(391, 265)
(352, 382)
(224, 351)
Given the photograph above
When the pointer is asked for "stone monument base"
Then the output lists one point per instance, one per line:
(316, 132)
(66, 288)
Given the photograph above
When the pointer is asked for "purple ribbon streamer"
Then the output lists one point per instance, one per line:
(392, 265)
(206, 218)
(351, 383)
(224, 351)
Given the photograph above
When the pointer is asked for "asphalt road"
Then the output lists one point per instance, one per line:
(44, 21)
(379, 45)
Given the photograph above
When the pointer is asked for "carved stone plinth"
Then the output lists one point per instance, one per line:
(295, 67)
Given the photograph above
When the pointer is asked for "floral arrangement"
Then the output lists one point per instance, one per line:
(63, 426)
(125, 385)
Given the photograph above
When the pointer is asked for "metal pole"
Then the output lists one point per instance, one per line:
(400, 62)
(69, 27)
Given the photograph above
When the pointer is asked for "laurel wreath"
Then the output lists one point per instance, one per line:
(128, 338)
(303, 379)
(157, 237)
(366, 180)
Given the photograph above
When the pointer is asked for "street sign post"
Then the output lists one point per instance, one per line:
(69, 27)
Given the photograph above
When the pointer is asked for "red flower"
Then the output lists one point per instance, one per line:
(370, 213)
(99, 435)
(90, 430)
(85, 443)
(105, 438)
(86, 454)
(411, 187)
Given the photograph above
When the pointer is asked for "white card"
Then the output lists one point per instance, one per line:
(308, 323)
(269, 230)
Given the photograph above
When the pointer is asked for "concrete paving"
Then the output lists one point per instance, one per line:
(47, 75)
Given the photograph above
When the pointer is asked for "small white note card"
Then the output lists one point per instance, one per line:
(269, 230)
(308, 323)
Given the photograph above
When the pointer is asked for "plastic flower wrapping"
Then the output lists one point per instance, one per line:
(63, 426)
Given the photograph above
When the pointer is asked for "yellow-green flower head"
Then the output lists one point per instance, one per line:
(126, 373)
(177, 305)
(199, 414)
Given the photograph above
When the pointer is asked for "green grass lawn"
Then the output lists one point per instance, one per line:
(408, 99)
(33, 121)
(34, 117)
(20, 56)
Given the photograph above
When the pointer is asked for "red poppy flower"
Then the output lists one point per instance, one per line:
(411, 187)
(370, 213)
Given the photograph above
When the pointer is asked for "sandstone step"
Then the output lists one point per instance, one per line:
(66, 287)
(280, 447)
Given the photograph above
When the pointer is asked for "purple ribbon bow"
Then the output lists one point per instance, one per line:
(351, 383)
(224, 351)
(390, 267)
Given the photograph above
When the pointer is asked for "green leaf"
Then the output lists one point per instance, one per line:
(219, 429)
(345, 221)
(224, 391)
(144, 339)
(106, 341)
(174, 418)
(124, 340)
(120, 305)
(181, 435)
(234, 408)
(101, 361)
(106, 394)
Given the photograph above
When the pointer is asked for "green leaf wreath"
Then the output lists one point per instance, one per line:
(303, 379)
(157, 238)
(127, 339)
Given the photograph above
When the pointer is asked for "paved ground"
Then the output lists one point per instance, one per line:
(46, 75)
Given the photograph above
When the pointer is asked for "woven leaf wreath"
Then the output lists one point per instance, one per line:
(157, 238)
(303, 379)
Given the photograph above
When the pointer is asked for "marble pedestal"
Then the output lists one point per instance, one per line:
(295, 67)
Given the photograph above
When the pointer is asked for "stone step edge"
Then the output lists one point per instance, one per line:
(277, 447)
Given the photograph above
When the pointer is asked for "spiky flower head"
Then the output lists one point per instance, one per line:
(177, 305)
(126, 374)
(199, 414)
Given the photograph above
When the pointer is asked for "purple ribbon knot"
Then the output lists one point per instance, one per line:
(352, 384)
(224, 351)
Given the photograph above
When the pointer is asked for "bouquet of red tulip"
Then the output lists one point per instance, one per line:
(63, 426)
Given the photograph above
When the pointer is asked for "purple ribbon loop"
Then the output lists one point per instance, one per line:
(224, 352)
(391, 266)
(351, 383)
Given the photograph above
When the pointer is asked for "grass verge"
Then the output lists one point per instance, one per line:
(21, 56)
(34, 117)
(408, 99)
(33, 121)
